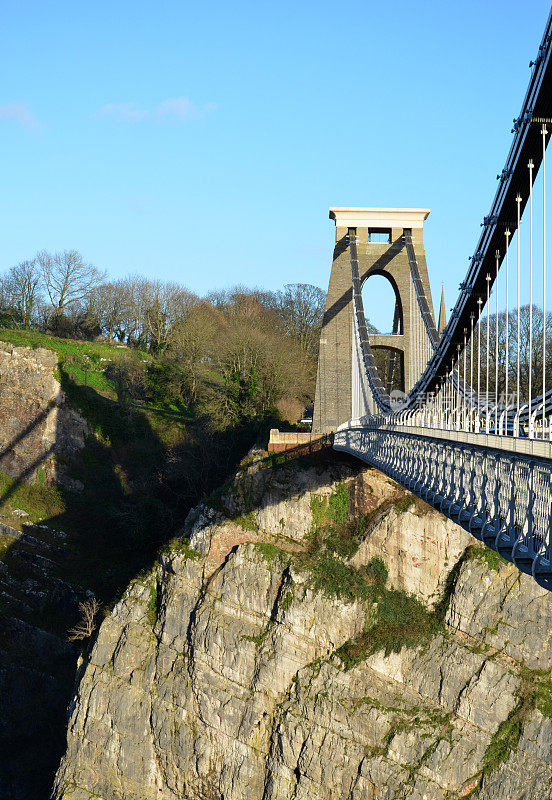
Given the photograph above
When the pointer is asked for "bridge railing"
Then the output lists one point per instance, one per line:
(503, 499)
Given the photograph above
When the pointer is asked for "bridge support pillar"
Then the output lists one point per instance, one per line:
(381, 251)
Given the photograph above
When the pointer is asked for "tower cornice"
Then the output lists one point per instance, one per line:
(349, 217)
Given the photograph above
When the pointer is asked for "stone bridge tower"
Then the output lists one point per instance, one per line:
(381, 251)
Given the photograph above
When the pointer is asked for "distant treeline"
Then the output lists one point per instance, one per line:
(239, 353)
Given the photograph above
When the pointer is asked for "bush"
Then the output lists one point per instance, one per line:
(153, 605)
(377, 571)
(491, 558)
(128, 374)
(169, 382)
(332, 529)
(335, 578)
(330, 511)
(400, 620)
(87, 623)
(79, 326)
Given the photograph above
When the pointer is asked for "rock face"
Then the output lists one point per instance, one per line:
(36, 665)
(222, 675)
(418, 548)
(35, 425)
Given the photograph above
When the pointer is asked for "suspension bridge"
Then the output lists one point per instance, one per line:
(461, 417)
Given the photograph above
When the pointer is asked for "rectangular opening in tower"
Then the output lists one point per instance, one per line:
(379, 235)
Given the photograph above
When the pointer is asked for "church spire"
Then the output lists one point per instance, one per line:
(442, 312)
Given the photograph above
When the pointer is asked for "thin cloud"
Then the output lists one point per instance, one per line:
(179, 108)
(19, 113)
(182, 108)
(124, 112)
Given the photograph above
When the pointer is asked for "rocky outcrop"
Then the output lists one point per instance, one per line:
(35, 424)
(237, 669)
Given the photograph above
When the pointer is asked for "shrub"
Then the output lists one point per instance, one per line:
(169, 382)
(332, 529)
(332, 511)
(400, 620)
(270, 552)
(128, 374)
(152, 608)
(376, 569)
(403, 503)
(334, 578)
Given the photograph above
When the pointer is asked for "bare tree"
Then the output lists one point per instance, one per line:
(22, 284)
(9, 313)
(134, 299)
(110, 302)
(528, 321)
(130, 327)
(87, 623)
(243, 301)
(301, 307)
(191, 341)
(67, 277)
(164, 304)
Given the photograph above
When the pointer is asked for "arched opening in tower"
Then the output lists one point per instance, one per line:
(382, 305)
(384, 316)
(390, 365)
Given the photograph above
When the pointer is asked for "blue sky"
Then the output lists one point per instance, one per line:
(205, 143)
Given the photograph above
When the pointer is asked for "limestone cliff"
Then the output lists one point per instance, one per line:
(273, 658)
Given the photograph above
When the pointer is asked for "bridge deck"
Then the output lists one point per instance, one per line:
(534, 448)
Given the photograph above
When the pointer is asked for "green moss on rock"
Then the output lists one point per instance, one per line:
(491, 558)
